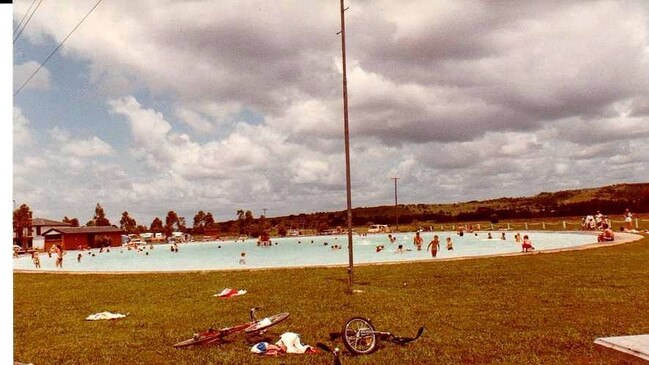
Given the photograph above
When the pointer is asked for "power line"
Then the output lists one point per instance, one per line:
(56, 49)
(24, 16)
(28, 19)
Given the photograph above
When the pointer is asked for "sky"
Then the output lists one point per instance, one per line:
(152, 106)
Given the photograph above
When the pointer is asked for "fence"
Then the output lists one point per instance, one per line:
(554, 225)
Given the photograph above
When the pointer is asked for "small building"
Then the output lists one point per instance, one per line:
(73, 238)
(40, 225)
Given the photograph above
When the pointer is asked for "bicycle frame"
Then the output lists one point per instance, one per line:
(254, 326)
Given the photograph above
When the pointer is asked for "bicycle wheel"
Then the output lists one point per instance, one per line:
(201, 338)
(359, 336)
(267, 322)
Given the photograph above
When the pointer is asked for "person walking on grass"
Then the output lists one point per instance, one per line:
(433, 246)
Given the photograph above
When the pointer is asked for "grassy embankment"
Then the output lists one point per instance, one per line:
(532, 309)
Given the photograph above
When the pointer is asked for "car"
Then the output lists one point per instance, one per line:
(378, 228)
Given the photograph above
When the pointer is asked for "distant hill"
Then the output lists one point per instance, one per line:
(613, 199)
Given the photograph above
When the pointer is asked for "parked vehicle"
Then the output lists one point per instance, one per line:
(379, 228)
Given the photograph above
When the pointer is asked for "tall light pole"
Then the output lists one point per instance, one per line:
(264, 212)
(350, 269)
(396, 213)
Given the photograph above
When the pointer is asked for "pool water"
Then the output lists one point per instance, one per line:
(297, 252)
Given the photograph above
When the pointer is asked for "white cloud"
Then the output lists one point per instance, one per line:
(22, 135)
(235, 109)
(194, 119)
(91, 147)
(40, 80)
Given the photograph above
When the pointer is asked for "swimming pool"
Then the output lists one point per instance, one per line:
(296, 252)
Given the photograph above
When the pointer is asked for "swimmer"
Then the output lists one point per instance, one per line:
(433, 246)
(379, 248)
(502, 236)
(399, 249)
(242, 260)
(79, 258)
(527, 244)
(518, 238)
(36, 259)
(418, 241)
(489, 236)
(449, 244)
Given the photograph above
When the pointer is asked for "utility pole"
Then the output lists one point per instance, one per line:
(350, 269)
(396, 212)
(264, 212)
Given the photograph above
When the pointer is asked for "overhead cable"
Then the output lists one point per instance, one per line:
(27, 22)
(56, 49)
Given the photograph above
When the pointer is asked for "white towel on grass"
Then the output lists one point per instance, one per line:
(104, 315)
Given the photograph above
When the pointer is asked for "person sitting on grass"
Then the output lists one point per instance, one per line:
(527, 244)
(607, 235)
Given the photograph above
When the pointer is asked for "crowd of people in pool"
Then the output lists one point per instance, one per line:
(434, 246)
(597, 221)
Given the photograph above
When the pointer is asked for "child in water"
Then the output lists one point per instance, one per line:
(36, 259)
(433, 246)
(527, 244)
(449, 244)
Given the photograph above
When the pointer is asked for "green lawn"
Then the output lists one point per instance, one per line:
(532, 309)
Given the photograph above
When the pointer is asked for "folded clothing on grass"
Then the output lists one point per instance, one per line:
(228, 292)
(104, 315)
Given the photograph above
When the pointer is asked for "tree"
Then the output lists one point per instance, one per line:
(74, 222)
(22, 223)
(99, 219)
(127, 223)
(156, 225)
(199, 222)
(248, 221)
(173, 223)
(240, 217)
(209, 221)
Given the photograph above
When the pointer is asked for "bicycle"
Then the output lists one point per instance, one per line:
(216, 336)
(360, 336)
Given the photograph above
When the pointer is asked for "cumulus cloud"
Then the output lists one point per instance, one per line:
(460, 99)
(22, 132)
(91, 147)
(40, 80)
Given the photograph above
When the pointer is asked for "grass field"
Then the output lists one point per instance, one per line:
(532, 309)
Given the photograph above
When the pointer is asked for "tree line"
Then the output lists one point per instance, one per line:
(609, 200)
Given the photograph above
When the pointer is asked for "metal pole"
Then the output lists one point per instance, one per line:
(396, 212)
(350, 269)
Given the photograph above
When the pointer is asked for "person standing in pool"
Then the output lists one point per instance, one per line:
(36, 259)
(433, 246)
(418, 241)
(59, 256)
(449, 243)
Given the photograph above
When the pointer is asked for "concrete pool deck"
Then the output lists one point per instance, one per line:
(634, 349)
(620, 238)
